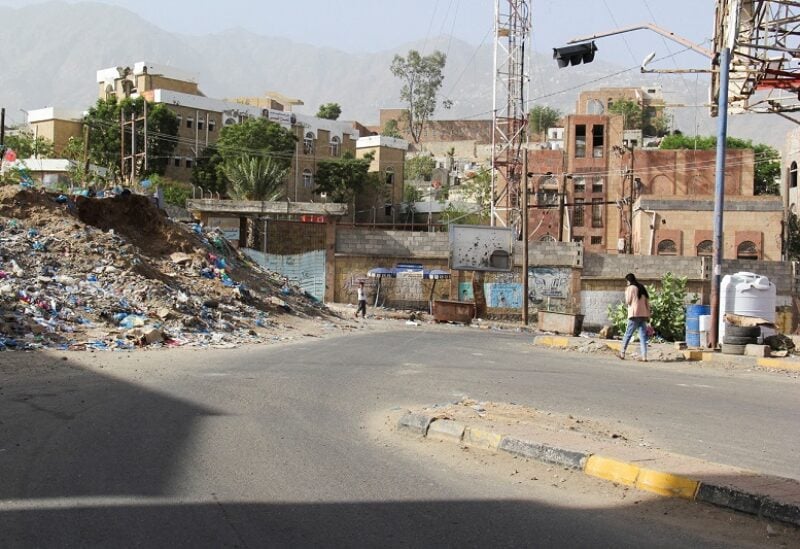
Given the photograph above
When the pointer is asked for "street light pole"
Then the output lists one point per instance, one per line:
(719, 192)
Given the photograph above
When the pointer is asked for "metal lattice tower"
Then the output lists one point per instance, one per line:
(764, 37)
(511, 33)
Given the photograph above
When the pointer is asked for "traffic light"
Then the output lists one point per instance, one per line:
(574, 55)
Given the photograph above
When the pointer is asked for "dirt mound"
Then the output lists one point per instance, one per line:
(116, 272)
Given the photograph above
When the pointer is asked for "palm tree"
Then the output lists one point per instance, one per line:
(254, 178)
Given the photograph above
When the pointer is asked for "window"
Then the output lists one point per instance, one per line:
(308, 143)
(189, 162)
(705, 248)
(597, 185)
(747, 250)
(667, 247)
(596, 240)
(335, 146)
(578, 239)
(200, 124)
(547, 238)
(189, 122)
(389, 174)
(180, 119)
(580, 140)
(597, 212)
(176, 161)
(597, 140)
(793, 175)
(387, 210)
(578, 213)
(579, 184)
(547, 197)
(211, 124)
(308, 178)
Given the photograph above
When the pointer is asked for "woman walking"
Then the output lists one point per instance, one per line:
(638, 301)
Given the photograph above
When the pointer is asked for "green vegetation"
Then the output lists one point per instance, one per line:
(238, 145)
(630, 111)
(541, 118)
(26, 145)
(344, 178)
(391, 129)
(767, 167)
(329, 111)
(254, 178)
(667, 308)
(103, 120)
(422, 77)
(419, 167)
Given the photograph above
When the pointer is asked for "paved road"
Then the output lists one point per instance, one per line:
(274, 446)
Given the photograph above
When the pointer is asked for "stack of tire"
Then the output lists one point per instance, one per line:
(736, 338)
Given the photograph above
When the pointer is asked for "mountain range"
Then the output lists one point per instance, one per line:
(51, 52)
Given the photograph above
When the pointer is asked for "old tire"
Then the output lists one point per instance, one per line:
(733, 340)
(731, 349)
(742, 331)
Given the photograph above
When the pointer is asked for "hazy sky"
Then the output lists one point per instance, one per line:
(374, 25)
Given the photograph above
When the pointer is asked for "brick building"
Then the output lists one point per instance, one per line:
(621, 199)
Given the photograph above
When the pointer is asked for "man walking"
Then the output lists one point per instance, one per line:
(362, 300)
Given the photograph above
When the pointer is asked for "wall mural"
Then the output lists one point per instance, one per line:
(546, 284)
(504, 295)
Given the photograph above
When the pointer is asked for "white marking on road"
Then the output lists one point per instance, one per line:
(698, 385)
(94, 502)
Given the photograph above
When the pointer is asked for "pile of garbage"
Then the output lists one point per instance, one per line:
(115, 273)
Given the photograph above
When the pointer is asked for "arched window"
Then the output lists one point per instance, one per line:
(747, 250)
(705, 249)
(547, 238)
(389, 174)
(335, 142)
(308, 178)
(793, 175)
(667, 247)
(308, 143)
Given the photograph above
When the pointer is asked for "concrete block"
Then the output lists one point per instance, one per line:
(760, 351)
(446, 429)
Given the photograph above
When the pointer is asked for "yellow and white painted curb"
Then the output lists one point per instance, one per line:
(629, 474)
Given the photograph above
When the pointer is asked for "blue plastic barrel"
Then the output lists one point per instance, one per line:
(693, 314)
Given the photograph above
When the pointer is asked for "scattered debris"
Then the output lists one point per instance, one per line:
(116, 273)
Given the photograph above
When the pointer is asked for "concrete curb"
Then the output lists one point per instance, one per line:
(629, 474)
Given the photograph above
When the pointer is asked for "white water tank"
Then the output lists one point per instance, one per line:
(746, 294)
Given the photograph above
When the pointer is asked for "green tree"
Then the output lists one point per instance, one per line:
(391, 129)
(103, 120)
(206, 172)
(343, 178)
(478, 189)
(329, 111)
(541, 118)
(255, 178)
(422, 77)
(26, 145)
(253, 137)
(419, 167)
(767, 166)
(631, 113)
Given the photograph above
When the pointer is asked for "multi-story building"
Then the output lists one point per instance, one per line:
(616, 198)
(201, 118)
(56, 125)
(649, 98)
(381, 205)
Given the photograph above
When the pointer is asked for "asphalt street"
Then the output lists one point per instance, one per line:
(274, 445)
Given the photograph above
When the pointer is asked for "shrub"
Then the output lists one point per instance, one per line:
(667, 309)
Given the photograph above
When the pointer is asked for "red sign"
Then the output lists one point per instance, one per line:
(308, 218)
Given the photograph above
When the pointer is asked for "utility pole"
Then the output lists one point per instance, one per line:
(2, 129)
(525, 258)
(86, 152)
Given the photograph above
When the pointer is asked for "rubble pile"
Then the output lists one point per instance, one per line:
(116, 273)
